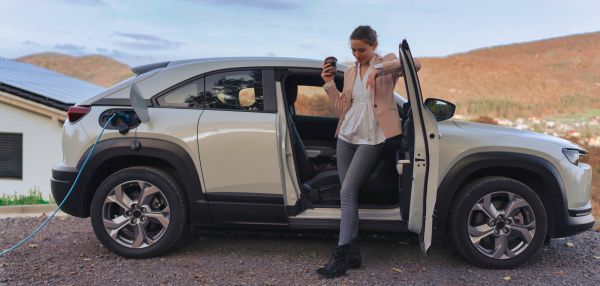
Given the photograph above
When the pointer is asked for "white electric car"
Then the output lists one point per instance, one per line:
(225, 146)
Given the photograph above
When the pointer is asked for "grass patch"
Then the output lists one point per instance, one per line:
(577, 116)
(591, 77)
(492, 106)
(560, 65)
(34, 198)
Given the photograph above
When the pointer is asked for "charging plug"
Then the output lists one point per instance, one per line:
(125, 118)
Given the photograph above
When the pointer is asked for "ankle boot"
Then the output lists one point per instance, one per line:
(354, 259)
(338, 263)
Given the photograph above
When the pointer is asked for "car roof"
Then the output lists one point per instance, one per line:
(259, 61)
(168, 74)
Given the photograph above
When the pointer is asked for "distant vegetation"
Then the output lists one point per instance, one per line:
(486, 120)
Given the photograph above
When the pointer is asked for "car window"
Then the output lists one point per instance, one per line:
(313, 101)
(241, 90)
(188, 95)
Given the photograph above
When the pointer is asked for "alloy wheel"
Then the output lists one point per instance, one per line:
(136, 214)
(501, 225)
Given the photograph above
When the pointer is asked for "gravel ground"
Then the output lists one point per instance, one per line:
(66, 252)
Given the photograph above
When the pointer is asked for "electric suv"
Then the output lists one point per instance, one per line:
(232, 142)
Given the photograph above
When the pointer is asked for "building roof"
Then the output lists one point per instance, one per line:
(43, 85)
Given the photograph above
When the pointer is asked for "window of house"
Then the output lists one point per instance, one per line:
(313, 101)
(241, 90)
(189, 95)
(11, 155)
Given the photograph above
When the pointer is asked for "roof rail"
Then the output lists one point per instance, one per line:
(146, 68)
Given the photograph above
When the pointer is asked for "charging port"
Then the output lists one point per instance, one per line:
(124, 120)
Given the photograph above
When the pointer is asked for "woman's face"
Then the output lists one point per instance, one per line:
(362, 51)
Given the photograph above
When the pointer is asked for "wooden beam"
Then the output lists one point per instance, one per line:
(13, 100)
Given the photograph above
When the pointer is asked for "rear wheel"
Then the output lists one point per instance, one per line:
(498, 223)
(139, 212)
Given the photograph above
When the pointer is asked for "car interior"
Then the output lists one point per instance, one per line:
(312, 138)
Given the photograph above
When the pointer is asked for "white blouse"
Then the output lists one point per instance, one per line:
(360, 126)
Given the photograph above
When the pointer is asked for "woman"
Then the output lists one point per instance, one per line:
(368, 115)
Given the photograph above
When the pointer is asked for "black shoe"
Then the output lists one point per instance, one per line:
(354, 259)
(338, 263)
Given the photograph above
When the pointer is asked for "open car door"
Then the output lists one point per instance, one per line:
(425, 155)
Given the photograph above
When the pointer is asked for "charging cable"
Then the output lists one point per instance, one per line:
(6, 251)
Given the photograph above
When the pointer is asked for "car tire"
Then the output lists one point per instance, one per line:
(502, 237)
(139, 212)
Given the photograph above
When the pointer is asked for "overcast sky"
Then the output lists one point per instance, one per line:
(140, 32)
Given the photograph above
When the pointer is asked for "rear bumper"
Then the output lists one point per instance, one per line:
(61, 182)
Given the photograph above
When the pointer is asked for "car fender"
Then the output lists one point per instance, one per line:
(554, 191)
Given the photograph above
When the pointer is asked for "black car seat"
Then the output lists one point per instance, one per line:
(316, 182)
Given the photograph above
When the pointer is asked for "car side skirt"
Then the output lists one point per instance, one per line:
(247, 209)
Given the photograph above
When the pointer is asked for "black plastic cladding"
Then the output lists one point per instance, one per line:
(150, 148)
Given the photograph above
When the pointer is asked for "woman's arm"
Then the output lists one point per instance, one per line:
(331, 89)
(395, 67)
(390, 65)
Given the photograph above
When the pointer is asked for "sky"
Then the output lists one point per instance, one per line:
(141, 32)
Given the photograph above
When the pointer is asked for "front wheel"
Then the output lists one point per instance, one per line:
(498, 223)
(139, 212)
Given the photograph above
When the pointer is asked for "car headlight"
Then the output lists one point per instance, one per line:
(573, 155)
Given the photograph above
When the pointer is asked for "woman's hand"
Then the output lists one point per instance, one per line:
(326, 75)
(371, 79)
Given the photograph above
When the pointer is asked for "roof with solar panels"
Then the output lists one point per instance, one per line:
(44, 86)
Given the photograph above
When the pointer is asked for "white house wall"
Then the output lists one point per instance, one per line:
(41, 148)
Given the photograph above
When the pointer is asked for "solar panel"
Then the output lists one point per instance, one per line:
(45, 82)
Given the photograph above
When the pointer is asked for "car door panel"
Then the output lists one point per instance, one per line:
(238, 157)
(425, 156)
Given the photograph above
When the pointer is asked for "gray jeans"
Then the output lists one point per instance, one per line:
(355, 163)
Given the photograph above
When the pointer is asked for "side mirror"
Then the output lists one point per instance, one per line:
(138, 103)
(441, 109)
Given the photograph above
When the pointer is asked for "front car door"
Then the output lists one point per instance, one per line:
(426, 148)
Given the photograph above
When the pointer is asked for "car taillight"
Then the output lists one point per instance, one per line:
(76, 112)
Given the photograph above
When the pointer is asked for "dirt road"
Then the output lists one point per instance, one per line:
(67, 252)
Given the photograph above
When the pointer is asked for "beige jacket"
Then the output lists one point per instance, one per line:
(383, 97)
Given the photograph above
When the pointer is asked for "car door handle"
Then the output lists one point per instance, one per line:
(418, 160)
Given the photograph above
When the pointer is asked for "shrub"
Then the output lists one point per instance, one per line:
(486, 120)
(34, 198)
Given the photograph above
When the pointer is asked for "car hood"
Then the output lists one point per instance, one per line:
(507, 131)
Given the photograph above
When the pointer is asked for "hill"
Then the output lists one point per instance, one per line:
(529, 79)
(94, 68)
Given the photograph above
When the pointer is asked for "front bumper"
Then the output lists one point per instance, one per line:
(61, 182)
(577, 220)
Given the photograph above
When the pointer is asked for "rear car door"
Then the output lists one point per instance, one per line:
(426, 150)
(237, 144)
